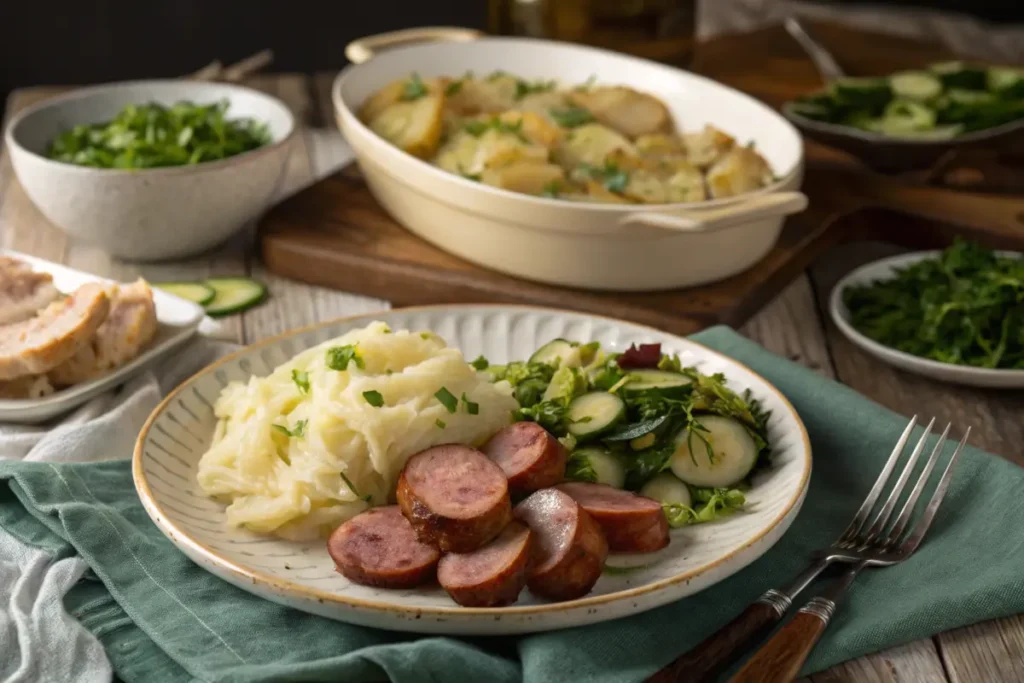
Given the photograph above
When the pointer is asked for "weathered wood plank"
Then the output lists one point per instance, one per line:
(990, 651)
(790, 327)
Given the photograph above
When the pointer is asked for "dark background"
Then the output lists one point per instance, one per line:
(65, 42)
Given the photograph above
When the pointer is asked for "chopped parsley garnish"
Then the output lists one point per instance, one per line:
(447, 399)
(374, 398)
(298, 430)
(524, 88)
(495, 75)
(476, 127)
(426, 335)
(476, 177)
(552, 189)
(453, 88)
(587, 84)
(480, 363)
(413, 89)
(610, 175)
(352, 488)
(571, 117)
(301, 379)
(338, 358)
(471, 407)
(440, 423)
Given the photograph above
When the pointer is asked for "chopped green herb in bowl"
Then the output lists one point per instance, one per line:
(963, 307)
(153, 135)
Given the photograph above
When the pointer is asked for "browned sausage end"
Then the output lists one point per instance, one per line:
(379, 548)
(530, 457)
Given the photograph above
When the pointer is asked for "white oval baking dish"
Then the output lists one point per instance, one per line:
(575, 244)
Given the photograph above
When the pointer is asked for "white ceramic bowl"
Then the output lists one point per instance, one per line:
(588, 245)
(302, 575)
(946, 372)
(149, 214)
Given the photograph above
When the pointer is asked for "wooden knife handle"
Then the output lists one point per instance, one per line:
(782, 657)
(704, 662)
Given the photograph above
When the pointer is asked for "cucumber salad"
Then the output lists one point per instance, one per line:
(938, 102)
(640, 421)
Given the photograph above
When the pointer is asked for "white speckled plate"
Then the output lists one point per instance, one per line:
(885, 269)
(302, 575)
(178, 320)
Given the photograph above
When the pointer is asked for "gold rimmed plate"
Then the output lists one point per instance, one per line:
(302, 575)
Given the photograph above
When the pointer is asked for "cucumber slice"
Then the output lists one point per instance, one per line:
(867, 93)
(1006, 82)
(971, 97)
(233, 295)
(559, 352)
(607, 467)
(903, 116)
(734, 453)
(959, 75)
(667, 489)
(196, 292)
(915, 85)
(594, 414)
(936, 134)
(648, 380)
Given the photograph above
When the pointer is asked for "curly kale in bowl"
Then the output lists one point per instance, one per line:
(964, 307)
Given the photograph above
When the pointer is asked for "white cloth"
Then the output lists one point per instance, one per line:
(39, 641)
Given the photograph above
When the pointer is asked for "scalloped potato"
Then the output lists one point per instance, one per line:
(584, 143)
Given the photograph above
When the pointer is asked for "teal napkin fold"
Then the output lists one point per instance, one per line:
(163, 619)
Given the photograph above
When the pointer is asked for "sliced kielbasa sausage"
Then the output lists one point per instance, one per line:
(454, 497)
(529, 456)
(491, 576)
(631, 523)
(569, 549)
(378, 547)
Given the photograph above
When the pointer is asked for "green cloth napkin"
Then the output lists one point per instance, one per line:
(162, 618)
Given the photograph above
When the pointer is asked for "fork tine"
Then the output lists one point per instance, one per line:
(921, 528)
(908, 507)
(882, 519)
(876, 490)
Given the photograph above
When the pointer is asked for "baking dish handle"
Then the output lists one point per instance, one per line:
(770, 205)
(363, 49)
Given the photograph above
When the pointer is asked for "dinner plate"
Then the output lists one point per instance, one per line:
(302, 575)
(178, 320)
(945, 372)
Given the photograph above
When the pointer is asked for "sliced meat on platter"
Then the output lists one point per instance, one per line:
(569, 549)
(492, 576)
(23, 291)
(529, 456)
(631, 523)
(39, 344)
(454, 497)
(379, 548)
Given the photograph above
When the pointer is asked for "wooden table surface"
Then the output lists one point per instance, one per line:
(795, 326)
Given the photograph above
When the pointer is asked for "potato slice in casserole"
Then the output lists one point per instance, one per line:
(531, 178)
(707, 146)
(592, 144)
(741, 170)
(413, 125)
(630, 112)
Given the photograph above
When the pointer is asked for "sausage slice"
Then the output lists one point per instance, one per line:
(454, 497)
(529, 456)
(378, 547)
(491, 576)
(631, 523)
(569, 549)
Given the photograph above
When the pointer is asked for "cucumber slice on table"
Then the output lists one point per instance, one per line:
(647, 380)
(959, 75)
(196, 292)
(915, 85)
(594, 414)
(734, 453)
(607, 467)
(234, 294)
(667, 489)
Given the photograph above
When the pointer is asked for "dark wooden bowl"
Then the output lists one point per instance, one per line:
(890, 154)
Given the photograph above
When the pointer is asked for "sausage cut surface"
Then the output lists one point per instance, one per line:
(631, 523)
(530, 457)
(378, 547)
(454, 497)
(491, 576)
(569, 549)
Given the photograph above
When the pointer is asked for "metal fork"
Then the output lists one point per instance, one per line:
(860, 545)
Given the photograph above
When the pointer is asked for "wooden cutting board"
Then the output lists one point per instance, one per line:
(334, 233)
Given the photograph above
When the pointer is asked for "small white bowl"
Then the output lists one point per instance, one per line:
(158, 213)
(944, 372)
